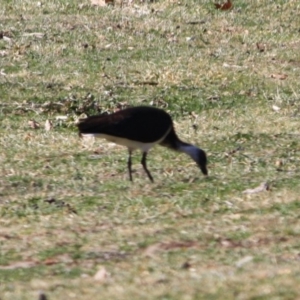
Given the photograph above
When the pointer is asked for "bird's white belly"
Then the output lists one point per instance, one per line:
(132, 145)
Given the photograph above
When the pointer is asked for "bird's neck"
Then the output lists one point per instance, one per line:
(188, 149)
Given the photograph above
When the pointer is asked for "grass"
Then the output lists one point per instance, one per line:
(230, 80)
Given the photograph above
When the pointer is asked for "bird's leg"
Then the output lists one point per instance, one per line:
(143, 162)
(129, 165)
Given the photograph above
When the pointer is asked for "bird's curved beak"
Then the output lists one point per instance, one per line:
(203, 169)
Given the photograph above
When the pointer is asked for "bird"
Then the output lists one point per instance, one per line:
(140, 127)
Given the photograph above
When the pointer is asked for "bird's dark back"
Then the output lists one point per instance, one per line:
(142, 123)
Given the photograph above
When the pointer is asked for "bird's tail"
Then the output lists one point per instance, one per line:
(89, 125)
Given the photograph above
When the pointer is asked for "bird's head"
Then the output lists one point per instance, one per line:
(201, 161)
(198, 155)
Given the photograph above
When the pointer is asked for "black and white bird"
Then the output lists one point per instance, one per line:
(140, 127)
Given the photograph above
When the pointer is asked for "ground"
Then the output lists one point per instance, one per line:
(73, 226)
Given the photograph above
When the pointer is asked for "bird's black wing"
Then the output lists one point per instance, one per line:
(143, 124)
